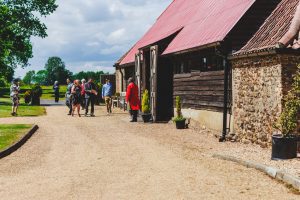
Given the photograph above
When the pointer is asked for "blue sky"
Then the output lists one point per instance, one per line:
(93, 34)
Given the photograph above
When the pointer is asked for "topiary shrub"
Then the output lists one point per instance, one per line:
(36, 93)
(27, 96)
(146, 102)
(179, 116)
(288, 120)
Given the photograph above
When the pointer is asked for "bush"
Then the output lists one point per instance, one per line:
(36, 93)
(146, 102)
(3, 82)
(179, 116)
(27, 96)
(288, 120)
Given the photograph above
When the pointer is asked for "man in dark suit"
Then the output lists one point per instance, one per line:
(90, 96)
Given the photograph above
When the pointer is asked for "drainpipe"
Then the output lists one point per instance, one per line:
(225, 109)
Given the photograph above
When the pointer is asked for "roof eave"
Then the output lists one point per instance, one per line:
(214, 44)
(265, 52)
(126, 65)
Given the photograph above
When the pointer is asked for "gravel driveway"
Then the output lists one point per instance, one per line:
(108, 158)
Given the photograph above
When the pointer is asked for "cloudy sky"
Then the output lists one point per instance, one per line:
(93, 34)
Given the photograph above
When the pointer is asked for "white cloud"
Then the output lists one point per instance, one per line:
(94, 33)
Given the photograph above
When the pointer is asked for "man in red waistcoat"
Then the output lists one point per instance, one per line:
(132, 98)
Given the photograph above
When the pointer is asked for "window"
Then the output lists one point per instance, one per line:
(198, 61)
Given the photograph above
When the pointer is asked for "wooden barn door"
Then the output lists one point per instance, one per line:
(138, 71)
(153, 80)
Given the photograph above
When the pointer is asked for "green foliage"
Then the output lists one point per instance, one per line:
(36, 93)
(40, 77)
(146, 102)
(37, 90)
(27, 96)
(287, 123)
(19, 21)
(28, 78)
(179, 116)
(3, 82)
(86, 75)
(56, 71)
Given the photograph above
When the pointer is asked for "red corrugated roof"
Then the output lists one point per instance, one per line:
(201, 22)
(274, 28)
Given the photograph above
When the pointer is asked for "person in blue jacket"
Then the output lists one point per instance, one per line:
(107, 94)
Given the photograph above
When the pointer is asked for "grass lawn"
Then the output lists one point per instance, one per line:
(24, 109)
(9, 134)
(48, 93)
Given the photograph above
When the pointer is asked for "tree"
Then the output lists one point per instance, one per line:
(40, 77)
(56, 71)
(87, 75)
(19, 21)
(28, 78)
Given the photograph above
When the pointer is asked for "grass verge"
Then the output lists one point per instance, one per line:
(48, 93)
(24, 109)
(9, 134)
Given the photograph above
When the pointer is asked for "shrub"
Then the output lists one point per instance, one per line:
(27, 96)
(146, 102)
(36, 93)
(3, 82)
(179, 116)
(287, 122)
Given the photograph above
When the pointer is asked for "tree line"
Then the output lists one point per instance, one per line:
(55, 70)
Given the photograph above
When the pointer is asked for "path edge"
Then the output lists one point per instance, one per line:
(275, 173)
(19, 143)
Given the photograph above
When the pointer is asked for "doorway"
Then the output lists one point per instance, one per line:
(157, 78)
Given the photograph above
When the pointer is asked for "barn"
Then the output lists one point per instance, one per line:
(186, 53)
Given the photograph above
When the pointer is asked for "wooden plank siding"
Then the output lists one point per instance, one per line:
(200, 90)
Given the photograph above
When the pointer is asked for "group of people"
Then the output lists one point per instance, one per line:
(83, 94)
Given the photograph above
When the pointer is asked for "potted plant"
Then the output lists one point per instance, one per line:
(179, 119)
(284, 145)
(146, 107)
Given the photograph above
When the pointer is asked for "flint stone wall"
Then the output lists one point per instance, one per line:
(259, 84)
